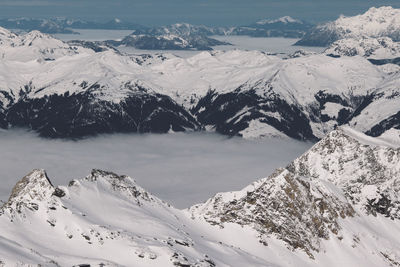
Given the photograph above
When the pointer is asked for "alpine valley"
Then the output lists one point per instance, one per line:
(336, 204)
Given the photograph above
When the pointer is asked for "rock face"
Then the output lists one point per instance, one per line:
(292, 208)
(339, 199)
(372, 48)
(367, 173)
(34, 188)
(376, 22)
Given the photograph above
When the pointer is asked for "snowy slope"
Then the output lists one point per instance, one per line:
(376, 22)
(336, 204)
(101, 219)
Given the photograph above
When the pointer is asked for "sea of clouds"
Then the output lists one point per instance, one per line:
(182, 169)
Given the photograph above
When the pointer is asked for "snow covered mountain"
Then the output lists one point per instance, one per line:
(282, 27)
(76, 89)
(376, 22)
(65, 25)
(179, 36)
(337, 203)
(50, 26)
(168, 41)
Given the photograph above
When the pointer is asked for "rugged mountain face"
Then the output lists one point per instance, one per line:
(339, 200)
(376, 22)
(81, 88)
(347, 176)
(373, 48)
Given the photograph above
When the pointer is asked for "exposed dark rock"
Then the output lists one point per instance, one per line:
(58, 192)
(391, 122)
(381, 205)
(232, 112)
(79, 115)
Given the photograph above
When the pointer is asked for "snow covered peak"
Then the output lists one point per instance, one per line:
(284, 20)
(33, 46)
(6, 37)
(30, 191)
(376, 22)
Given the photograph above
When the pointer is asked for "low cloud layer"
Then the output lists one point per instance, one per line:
(182, 169)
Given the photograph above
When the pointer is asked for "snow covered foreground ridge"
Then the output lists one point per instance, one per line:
(376, 22)
(338, 204)
(77, 89)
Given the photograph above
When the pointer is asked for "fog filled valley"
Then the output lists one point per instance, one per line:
(183, 169)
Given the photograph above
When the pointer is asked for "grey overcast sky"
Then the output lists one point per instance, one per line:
(209, 12)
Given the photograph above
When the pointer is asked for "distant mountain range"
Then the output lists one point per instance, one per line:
(65, 25)
(76, 89)
(180, 36)
(375, 23)
(283, 27)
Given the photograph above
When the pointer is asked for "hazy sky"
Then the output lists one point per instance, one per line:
(211, 12)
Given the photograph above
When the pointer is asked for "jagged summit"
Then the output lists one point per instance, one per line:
(35, 186)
